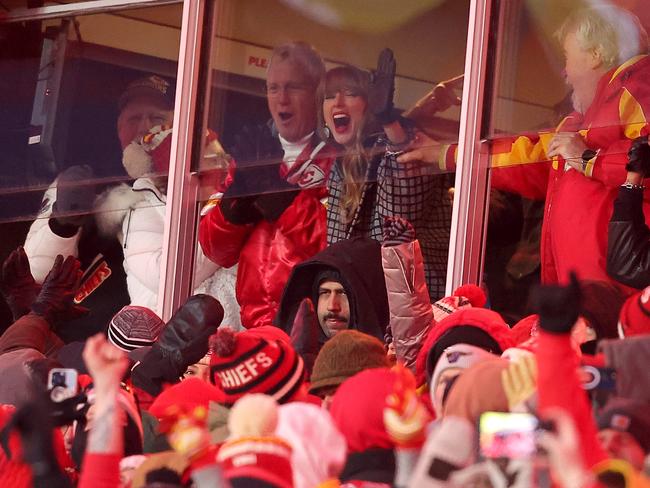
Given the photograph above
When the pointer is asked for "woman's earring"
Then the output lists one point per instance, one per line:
(323, 132)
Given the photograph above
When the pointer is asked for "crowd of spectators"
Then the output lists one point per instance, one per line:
(318, 349)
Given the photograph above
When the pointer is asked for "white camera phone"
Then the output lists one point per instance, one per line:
(62, 383)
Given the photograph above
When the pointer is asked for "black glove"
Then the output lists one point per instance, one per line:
(183, 342)
(397, 231)
(558, 306)
(275, 194)
(240, 210)
(17, 284)
(639, 157)
(69, 410)
(75, 195)
(55, 300)
(382, 88)
(254, 148)
(256, 145)
(305, 333)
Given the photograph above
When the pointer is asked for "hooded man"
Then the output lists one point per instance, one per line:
(346, 284)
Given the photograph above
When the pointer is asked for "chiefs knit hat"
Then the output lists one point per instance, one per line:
(635, 315)
(253, 452)
(134, 327)
(627, 416)
(244, 362)
(465, 296)
(344, 355)
(151, 87)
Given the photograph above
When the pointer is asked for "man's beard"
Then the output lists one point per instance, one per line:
(330, 332)
(577, 102)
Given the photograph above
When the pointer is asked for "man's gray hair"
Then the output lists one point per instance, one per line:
(305, 56)
(615, 33)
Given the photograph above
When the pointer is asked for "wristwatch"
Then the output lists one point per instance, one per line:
(587, 156)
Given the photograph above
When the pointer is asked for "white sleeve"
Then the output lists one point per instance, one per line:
(142, 244)
(203, 267)
(42, 245)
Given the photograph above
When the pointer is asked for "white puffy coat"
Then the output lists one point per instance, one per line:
(139, 227)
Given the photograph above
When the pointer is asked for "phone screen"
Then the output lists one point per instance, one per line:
(507, 435)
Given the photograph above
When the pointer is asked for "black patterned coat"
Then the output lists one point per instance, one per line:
(414, 191)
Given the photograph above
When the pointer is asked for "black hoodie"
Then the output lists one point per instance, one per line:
(358, 260)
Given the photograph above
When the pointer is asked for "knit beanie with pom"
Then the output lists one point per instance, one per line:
(244, 362)
(466, 296)
(253, 453)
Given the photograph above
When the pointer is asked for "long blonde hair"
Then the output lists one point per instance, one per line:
(354, 162)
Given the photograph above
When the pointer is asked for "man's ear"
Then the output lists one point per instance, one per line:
(596, 58)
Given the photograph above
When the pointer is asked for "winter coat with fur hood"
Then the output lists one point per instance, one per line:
(136, 215)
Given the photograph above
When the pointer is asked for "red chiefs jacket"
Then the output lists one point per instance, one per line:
(578, 206)
(267, 251)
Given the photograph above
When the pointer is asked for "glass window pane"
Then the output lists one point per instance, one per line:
(79, 173)
(569, 93)
(294, 135)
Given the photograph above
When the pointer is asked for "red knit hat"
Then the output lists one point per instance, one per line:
(358, 409)
(265, 459)
(244, 363)
(253, 451)
(524, 330)
(487, 321)
(189, 393)
(635, 315)
(270, 333)
(466, 296)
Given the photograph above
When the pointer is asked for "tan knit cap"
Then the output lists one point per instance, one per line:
(344, 355)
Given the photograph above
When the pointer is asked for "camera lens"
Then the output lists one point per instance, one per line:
(58, 394)
(58, 379)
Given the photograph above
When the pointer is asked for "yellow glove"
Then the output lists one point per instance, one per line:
(519, 382)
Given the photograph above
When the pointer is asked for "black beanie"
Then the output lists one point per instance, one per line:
(460, 334)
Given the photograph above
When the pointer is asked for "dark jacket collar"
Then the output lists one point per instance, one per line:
(376, 465)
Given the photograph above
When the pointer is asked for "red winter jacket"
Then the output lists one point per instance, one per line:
(267, 251)
(578, 206)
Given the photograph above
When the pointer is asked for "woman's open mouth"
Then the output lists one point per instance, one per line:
(341, 122)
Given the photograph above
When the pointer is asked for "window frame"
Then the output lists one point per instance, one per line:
(469, 214)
